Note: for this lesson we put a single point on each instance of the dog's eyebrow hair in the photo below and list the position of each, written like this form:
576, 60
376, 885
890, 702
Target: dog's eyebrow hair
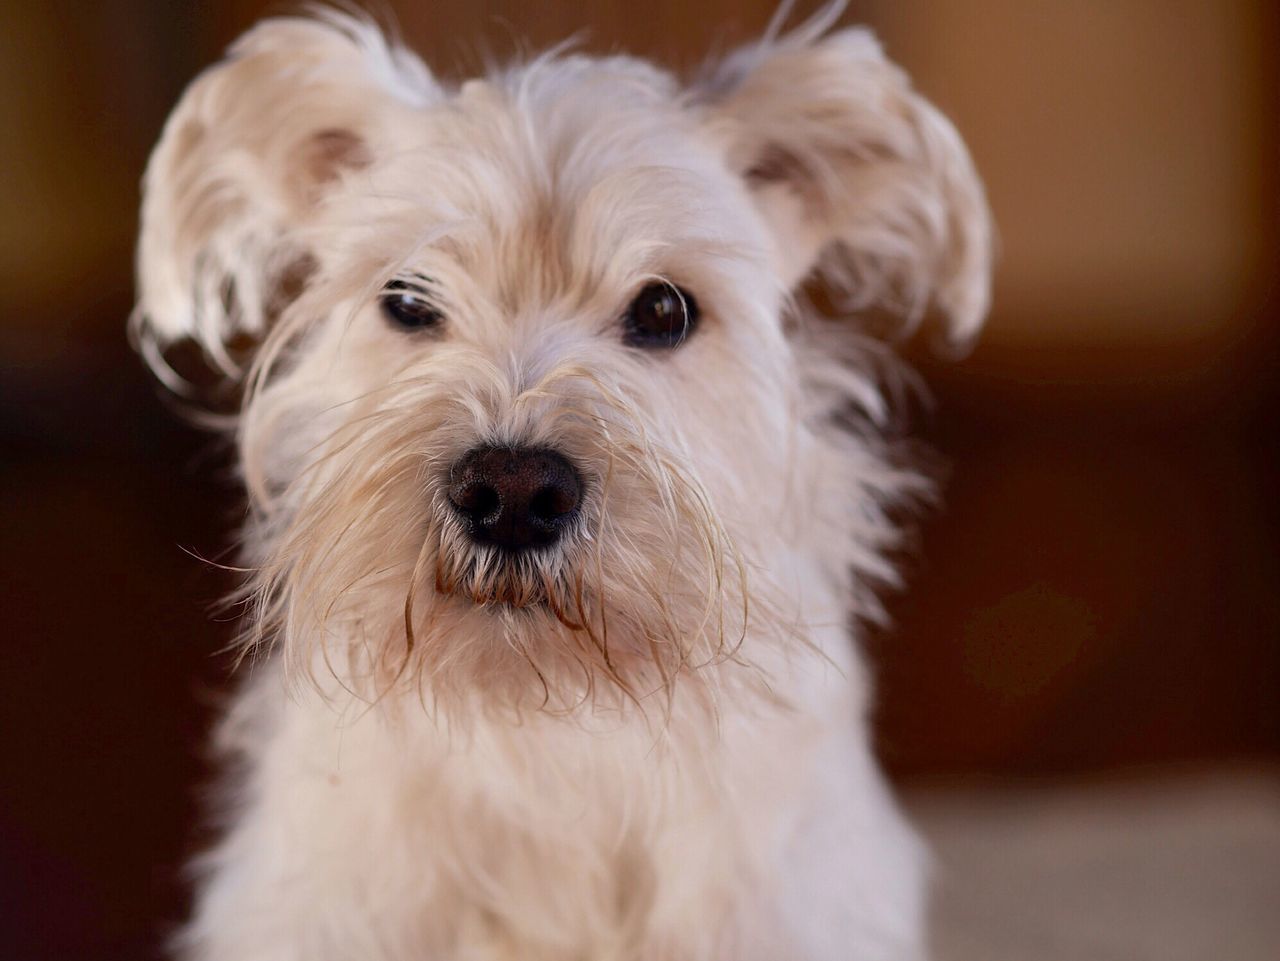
416, 282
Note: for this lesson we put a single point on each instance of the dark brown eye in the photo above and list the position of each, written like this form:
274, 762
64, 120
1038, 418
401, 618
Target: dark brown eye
408, 307
661, 316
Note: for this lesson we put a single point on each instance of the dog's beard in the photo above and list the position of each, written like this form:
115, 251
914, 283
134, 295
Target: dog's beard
368, 578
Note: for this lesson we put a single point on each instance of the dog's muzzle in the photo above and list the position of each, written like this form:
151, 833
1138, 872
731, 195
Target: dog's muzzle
515, 498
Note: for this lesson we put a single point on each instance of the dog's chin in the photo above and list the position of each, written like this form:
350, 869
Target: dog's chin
504, 606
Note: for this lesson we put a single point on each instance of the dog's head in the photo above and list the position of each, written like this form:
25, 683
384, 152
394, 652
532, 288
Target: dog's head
528, 408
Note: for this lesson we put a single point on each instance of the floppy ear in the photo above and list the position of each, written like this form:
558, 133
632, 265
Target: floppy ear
245, 161
856, 174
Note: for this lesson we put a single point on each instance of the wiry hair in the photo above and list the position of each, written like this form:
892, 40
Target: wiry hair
660, 709
514, 202
637, 606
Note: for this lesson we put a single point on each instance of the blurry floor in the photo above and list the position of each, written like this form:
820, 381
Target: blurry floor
1186, 869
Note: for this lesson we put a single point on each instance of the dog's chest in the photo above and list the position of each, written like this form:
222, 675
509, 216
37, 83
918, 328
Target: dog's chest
549, 834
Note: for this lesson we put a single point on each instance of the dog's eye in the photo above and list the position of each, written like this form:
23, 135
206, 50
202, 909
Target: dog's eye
662, 315
408, 308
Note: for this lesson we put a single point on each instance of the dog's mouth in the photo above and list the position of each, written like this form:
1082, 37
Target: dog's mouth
501, 594
503, 589
517, 586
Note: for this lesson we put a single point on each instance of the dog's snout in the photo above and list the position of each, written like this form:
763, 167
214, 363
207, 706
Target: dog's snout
515, 498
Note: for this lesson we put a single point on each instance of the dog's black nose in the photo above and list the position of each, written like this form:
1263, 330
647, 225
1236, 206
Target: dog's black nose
515, 497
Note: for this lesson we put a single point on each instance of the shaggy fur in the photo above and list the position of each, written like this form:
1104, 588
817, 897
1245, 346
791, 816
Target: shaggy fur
647, 743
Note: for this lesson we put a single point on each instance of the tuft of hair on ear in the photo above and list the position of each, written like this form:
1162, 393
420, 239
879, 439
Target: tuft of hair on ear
244, 163
858, 177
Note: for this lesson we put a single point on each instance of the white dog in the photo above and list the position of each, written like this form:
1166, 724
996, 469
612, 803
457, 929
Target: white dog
559, 510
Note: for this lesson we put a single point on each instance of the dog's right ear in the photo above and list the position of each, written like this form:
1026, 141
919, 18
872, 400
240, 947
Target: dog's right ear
245, 161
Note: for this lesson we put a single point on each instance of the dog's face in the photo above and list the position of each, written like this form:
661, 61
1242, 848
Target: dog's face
527, 413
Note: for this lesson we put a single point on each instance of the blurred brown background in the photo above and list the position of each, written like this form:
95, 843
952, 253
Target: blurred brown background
1101, 594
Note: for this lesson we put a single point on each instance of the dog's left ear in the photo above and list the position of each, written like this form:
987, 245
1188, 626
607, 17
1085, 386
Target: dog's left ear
856, 174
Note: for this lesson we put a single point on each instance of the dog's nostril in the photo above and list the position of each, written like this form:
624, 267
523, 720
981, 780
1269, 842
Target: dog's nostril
515, 498
552, 503
477, 500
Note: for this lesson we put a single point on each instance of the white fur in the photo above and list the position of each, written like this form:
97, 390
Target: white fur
649, 743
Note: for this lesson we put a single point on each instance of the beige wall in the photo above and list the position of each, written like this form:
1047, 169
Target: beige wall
1123, 143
